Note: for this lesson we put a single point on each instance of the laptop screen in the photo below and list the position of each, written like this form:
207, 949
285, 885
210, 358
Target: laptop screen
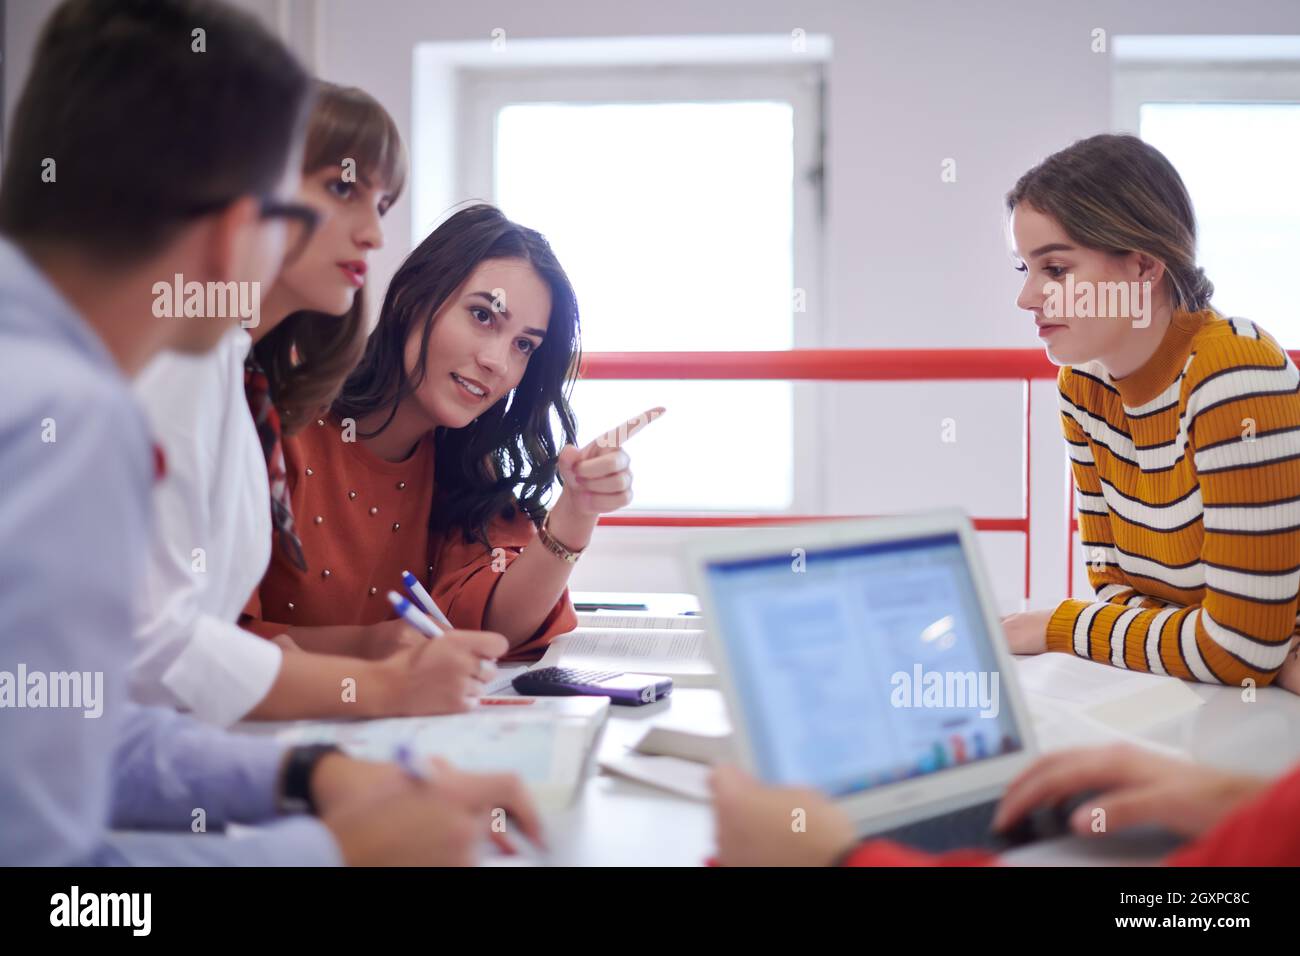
863, 665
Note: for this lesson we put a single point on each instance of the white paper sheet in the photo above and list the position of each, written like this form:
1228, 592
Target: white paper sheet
678, 654
638, 621
545, 740
1128, 701
682, 777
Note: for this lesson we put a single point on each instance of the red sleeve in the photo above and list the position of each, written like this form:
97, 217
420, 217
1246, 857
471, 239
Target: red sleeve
887, 853
467, 573
1264, 831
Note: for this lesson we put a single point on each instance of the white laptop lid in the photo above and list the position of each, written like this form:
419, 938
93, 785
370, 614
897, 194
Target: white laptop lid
865, 659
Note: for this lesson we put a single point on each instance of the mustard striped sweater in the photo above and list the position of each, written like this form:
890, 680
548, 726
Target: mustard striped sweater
1188, 493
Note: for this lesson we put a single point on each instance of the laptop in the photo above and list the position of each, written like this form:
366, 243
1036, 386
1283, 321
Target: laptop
866, 659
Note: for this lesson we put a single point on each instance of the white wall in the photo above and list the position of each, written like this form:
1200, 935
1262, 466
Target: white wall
910, 261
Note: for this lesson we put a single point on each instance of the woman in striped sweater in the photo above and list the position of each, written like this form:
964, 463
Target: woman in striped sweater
1183, 429
1184, 433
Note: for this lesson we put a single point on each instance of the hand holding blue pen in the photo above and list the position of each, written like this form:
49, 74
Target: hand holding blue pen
420, 621
497, 797
425, 600
404, 757
414, 616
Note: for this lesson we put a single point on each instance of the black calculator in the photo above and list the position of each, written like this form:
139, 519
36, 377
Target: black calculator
630, 690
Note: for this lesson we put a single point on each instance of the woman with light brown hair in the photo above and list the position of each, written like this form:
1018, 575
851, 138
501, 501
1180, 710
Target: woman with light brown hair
218, 422
1183, 429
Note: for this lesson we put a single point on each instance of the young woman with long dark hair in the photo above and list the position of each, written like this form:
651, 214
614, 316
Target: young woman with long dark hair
220, 419
440, 453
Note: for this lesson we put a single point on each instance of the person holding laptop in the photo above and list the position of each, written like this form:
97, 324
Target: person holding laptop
869, 687
869, 667
1232, 819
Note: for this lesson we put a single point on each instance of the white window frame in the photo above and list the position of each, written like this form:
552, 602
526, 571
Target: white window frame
1201, 69
1244, 70
483, 93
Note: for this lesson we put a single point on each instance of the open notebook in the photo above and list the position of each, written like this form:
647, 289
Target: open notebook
636, 644
639, 620
545, 740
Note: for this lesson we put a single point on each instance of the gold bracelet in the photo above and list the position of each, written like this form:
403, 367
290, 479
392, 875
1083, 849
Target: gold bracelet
548, 541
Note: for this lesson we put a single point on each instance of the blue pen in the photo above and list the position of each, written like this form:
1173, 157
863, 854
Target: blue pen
425, 600
423, 770
405, 759
413, 615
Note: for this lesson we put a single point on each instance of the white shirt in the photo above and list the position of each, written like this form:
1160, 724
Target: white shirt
211, 541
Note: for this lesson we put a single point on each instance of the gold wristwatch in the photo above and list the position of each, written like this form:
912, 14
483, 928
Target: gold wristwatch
553, 546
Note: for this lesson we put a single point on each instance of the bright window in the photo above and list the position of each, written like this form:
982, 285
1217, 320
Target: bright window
684, 202
1239, 163
673, 221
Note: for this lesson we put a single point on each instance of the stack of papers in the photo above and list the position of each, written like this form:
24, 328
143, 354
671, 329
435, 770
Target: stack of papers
672, 759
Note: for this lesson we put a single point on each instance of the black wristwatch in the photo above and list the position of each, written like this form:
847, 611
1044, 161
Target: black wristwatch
295, 784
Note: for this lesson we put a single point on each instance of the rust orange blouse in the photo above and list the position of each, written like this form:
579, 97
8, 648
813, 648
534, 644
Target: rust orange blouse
362, 521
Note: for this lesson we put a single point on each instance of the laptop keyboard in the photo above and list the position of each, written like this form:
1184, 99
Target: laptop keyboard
969, 827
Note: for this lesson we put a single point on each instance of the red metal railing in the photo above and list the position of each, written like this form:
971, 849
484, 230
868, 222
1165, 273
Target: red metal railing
833, 365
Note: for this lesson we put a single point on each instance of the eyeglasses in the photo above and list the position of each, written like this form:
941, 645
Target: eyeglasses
300, 219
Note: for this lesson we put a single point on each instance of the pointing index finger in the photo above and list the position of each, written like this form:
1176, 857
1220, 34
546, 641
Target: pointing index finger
615, 437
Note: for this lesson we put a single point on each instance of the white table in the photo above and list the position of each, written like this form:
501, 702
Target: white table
618, 822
